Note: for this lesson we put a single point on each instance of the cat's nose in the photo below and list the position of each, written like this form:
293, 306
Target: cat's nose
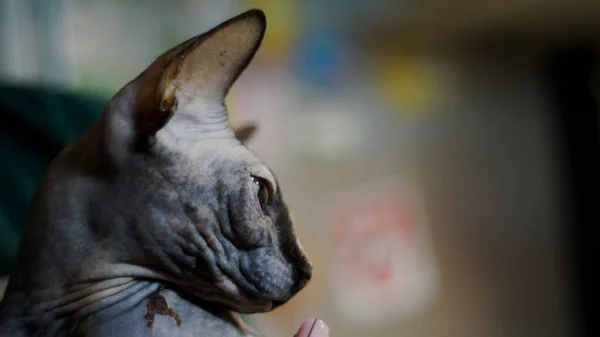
304, 274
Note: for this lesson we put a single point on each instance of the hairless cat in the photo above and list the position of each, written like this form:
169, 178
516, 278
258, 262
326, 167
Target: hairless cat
158, 220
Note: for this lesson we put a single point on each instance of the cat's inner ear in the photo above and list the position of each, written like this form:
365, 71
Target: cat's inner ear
197, 79
244, 133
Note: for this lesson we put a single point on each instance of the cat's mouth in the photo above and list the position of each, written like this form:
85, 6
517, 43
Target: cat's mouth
245, 307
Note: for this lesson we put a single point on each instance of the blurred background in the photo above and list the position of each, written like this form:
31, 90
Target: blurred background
440, 158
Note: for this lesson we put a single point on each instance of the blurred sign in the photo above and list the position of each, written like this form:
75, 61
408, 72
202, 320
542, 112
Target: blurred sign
382, 267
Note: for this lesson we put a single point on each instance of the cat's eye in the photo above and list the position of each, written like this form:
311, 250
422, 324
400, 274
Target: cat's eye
263, 195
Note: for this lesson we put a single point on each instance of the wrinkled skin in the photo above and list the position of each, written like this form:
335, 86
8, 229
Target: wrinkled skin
159, 221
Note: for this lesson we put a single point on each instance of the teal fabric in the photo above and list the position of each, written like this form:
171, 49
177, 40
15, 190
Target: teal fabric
36, 123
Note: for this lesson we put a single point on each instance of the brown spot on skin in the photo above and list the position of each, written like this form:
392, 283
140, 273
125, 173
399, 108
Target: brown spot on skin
157, 305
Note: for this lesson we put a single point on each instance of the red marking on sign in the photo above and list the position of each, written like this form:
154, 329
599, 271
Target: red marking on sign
364, 234
382, 267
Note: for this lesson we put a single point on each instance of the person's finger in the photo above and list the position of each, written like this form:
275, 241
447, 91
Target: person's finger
313, 328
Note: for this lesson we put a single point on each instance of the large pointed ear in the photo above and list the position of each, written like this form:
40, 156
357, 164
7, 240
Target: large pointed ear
186, 86
244, 133
200, 75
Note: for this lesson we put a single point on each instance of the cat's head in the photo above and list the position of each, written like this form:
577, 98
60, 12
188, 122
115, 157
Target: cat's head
196, 203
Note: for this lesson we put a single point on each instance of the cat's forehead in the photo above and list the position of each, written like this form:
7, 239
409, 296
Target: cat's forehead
239, 160
218, 157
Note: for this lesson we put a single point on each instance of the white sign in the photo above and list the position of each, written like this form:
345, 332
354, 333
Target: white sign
381, 262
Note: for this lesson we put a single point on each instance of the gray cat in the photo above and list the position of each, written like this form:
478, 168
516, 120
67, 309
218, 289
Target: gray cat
158, 220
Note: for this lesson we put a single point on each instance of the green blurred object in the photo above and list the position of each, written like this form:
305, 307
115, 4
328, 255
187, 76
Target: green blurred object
36, 124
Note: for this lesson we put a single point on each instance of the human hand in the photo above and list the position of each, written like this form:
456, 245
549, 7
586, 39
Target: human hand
313, 328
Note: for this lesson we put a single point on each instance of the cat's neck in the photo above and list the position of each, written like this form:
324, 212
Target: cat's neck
124, 305
46, 312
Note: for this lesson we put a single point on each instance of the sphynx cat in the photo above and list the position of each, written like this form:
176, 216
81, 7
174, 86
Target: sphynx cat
158, 220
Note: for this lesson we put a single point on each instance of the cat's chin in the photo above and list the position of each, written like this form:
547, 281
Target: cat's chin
266, 307
254, 308
240, 301
246, 306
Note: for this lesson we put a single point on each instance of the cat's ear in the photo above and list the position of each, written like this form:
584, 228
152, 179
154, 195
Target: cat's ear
245, 133
206, 69
189, 82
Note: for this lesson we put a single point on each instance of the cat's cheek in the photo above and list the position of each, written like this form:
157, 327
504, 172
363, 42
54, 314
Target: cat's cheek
269, 273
